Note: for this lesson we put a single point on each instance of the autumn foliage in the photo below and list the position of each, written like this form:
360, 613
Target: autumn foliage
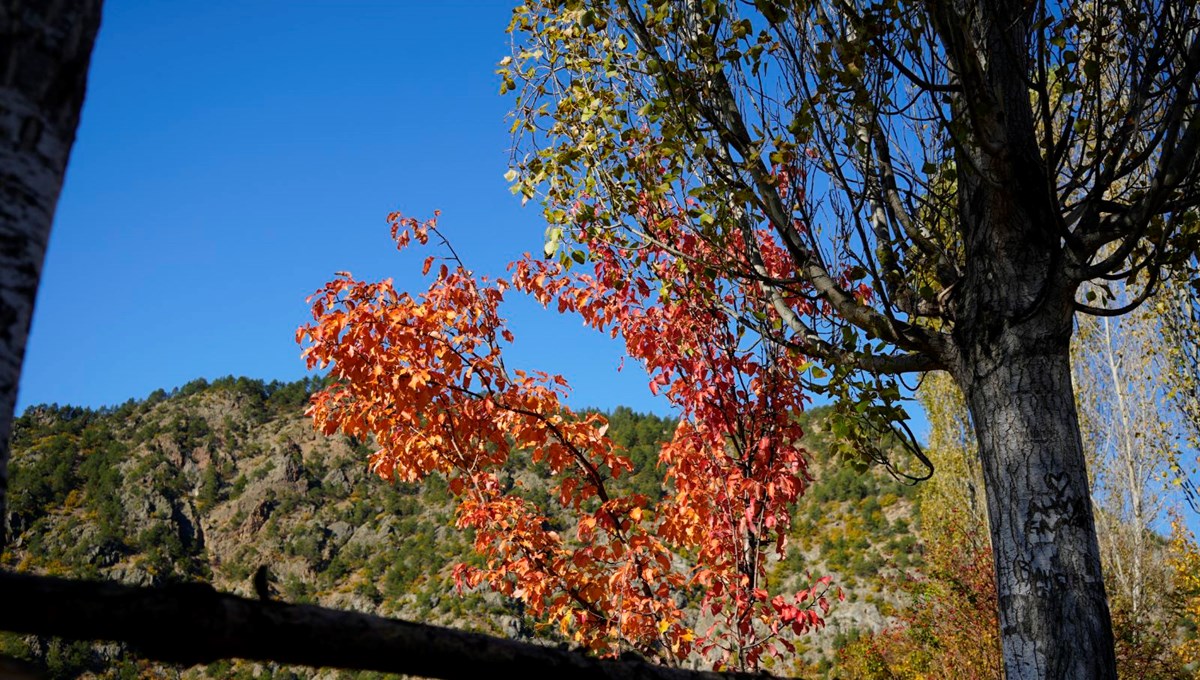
1185, 560
950, 628
424, 378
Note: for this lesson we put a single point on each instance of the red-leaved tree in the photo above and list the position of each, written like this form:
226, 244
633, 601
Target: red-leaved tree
424, 377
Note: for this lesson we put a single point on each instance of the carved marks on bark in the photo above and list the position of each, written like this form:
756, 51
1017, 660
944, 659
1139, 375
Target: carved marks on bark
1048, 518
1054, 614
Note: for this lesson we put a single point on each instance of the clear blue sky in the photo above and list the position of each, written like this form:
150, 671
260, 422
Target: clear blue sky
233, 155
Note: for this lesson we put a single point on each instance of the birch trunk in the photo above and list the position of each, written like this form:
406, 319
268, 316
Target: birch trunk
45, 48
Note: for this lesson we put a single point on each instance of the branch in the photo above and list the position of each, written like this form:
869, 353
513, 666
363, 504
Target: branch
1133, 223
887, 175
805, 339
717, 105
912, 76
1178, 167
1149, 289
194, 624
969, 70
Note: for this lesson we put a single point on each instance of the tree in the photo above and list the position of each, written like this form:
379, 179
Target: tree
1129, 433
1185, 559
45, 49
1179, 309
424, 377
941, 178
947, 625
1133, 438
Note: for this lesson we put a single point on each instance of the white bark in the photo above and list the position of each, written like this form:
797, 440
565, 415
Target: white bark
45, 48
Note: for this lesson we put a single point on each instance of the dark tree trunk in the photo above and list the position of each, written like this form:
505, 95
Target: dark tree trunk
45, 48
1054, 618
1012, 332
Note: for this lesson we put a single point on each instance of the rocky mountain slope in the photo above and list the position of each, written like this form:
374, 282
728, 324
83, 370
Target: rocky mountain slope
211, 481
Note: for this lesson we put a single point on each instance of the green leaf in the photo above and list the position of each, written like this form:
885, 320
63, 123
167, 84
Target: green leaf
770, 10
553, 235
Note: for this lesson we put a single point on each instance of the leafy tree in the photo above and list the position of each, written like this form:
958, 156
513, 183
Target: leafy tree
1130, 434
1136, 416
424, 377
1179, 310
1185, 559
947, 625
906, 187
950, 628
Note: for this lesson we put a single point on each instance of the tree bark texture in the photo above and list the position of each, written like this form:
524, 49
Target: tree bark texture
193, 624
45, 49
1011, 358
1054, 616
1012, 361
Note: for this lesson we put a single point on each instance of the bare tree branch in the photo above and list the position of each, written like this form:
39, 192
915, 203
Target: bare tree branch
719, 108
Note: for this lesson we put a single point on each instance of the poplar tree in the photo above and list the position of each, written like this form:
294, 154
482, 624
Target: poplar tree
944, 177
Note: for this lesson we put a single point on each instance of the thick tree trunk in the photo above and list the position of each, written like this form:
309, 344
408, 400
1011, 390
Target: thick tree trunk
45, 48
1054, 616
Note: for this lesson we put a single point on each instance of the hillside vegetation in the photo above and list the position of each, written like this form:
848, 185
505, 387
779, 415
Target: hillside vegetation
213, 480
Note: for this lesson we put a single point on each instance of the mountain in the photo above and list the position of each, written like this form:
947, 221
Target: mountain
211, 481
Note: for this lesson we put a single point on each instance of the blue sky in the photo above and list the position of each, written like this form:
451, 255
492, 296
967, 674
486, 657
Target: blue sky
233, 155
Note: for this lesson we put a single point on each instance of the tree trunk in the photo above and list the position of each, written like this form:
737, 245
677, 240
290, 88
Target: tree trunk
1054, 618
45, 48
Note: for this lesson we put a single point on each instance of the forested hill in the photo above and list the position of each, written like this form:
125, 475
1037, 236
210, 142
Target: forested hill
212, 480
